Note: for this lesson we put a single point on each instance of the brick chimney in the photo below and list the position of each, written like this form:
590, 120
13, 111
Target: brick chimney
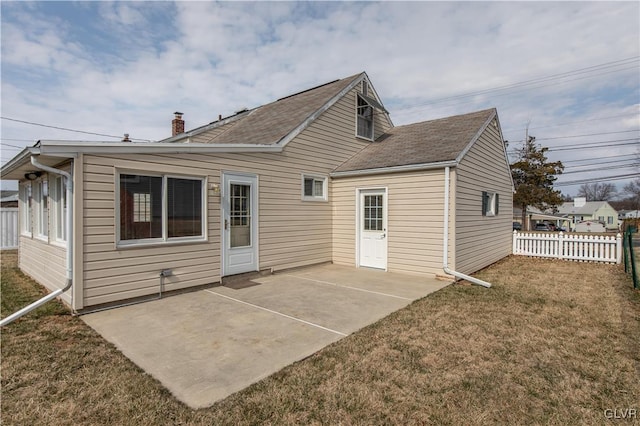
177, 125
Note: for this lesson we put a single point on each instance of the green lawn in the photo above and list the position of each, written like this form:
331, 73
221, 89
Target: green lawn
552, 342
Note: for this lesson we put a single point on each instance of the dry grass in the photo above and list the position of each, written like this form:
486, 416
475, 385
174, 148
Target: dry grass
551, 343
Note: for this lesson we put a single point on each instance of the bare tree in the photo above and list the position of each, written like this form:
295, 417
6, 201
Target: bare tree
597, 191
633, 190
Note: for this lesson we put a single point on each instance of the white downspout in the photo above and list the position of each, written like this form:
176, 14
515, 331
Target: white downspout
69, 225
445, 254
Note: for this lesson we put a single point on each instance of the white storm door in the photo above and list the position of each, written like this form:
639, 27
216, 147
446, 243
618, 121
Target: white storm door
372, 228
239, 224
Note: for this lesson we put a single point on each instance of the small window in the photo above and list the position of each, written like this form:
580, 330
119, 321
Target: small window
25, 208
610, 220
314, 188
365, 119
490, 203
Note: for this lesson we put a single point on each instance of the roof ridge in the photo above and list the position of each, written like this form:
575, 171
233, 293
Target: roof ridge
447, 117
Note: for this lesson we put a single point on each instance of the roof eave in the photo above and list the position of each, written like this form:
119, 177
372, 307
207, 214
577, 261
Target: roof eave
395, 169
70, 148
492, 116
475, 138
18, 161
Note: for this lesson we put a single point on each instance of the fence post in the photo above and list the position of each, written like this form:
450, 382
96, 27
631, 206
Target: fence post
632, 261
515, 242
618, 248
560, 247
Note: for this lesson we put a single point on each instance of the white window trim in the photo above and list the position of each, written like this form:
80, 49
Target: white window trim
325, 187
57, 193
373, 121
26, 227
164, 240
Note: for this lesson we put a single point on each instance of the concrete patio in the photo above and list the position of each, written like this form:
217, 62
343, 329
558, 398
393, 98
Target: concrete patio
205, 345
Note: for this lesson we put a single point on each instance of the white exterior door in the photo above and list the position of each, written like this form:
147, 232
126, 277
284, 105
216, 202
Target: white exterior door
372, 228
239, 223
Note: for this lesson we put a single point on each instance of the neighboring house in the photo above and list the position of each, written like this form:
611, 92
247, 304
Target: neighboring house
628, 214
535, 216
580, 210
9, 199
318, 176
8, 219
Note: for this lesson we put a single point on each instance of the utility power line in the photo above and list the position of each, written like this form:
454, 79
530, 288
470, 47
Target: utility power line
590, 145
17, 140
586, 135
599, 163
536, 81
603, 168
569, 148
598, 179
67, 129
575, 122
589, 159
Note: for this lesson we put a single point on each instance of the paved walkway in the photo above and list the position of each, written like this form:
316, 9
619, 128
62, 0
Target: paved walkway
208, 344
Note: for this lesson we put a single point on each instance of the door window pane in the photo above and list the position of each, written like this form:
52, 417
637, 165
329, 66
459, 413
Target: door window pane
240, 215
372, 217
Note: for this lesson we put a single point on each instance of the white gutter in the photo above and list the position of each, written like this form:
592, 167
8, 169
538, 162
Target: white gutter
394, 169
72, 148
69, 224
445, 253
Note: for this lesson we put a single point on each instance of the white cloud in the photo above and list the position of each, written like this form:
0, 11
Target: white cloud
129, 65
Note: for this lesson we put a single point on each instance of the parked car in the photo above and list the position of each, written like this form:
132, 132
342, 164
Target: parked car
542, 227
517, 226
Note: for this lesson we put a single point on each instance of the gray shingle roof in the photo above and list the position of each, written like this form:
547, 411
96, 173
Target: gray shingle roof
588, 208
431, 141
270, 123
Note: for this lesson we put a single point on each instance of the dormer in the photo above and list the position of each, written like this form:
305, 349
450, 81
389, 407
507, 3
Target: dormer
367, 107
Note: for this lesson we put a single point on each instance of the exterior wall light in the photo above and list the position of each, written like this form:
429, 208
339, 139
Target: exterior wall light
32, 175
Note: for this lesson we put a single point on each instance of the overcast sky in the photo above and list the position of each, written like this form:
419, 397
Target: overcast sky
125, 67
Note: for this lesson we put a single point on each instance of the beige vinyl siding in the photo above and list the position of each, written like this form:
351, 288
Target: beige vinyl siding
111, 274
45, 263
415, 219
292, 232
481, 240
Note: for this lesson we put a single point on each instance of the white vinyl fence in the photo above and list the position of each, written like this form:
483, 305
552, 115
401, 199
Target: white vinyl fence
9, 228
587, 248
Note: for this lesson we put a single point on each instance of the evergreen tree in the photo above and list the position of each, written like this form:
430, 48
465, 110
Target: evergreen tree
533, 177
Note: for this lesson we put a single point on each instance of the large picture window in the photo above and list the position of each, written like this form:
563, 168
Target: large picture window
160, 208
